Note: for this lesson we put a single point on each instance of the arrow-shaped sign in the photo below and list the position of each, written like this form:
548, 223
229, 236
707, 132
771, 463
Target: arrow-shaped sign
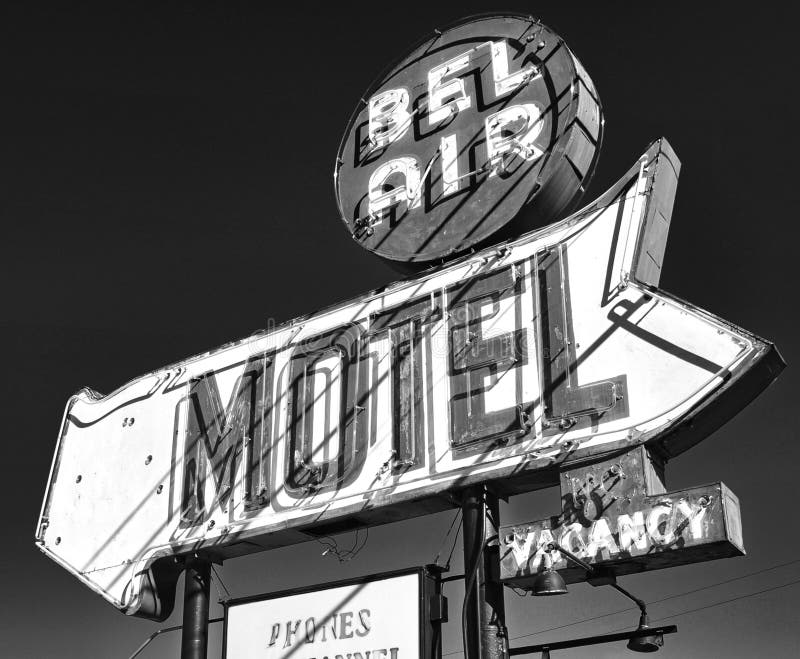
505, 366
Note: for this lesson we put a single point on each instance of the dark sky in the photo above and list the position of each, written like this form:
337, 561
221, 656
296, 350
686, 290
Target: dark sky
166, 186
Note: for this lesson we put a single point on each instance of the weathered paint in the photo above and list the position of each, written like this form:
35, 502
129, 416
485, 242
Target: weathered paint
489, 121
397, 615
541, 352
616, 515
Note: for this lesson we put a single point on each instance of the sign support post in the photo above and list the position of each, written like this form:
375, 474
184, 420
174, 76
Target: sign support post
484, 611
194, 637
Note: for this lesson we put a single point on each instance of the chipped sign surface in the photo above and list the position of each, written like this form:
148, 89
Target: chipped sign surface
499, 367
487, 123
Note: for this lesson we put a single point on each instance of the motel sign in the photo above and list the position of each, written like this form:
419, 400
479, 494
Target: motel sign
530, 353
504, 367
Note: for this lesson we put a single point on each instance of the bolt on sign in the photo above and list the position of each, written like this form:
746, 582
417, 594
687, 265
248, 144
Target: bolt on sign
478, 123
396, 615
505, 366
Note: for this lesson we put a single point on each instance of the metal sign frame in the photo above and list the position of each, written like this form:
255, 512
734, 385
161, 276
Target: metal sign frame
429, 584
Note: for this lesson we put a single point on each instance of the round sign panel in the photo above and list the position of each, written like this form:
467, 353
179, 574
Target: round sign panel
486, 128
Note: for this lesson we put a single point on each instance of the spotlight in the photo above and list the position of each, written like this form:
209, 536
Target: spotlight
648, 643
548, 583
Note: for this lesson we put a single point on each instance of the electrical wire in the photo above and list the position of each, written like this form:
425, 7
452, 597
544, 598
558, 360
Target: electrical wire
658, 601
444, 541
363, 544
222, 583
728, 601
344, 555
664, 599
473, 573
164, 630
453, 548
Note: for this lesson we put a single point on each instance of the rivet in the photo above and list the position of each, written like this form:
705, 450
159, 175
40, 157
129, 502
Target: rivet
58, 540
211, 524
159, 489
148, 459
130, 421
78, 478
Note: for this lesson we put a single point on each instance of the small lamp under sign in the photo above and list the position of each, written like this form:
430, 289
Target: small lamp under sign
549, 582
647, 643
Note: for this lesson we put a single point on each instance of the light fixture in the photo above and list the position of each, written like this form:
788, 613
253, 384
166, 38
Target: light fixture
549, 582
648, 643
640, 640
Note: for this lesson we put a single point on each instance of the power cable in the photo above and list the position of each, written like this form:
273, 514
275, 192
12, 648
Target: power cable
473, 572
355, 553
444, 540
343, 555
224, 587
664, 599
658, 601
728, 601
453, 548
164, 630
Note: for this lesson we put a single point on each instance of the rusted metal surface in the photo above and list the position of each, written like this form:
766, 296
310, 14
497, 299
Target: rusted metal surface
487, 128
616, 515
545, 648
194, 636
497, 368
485, 633
658, 215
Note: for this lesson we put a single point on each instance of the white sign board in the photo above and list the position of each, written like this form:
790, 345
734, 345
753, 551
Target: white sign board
369, 619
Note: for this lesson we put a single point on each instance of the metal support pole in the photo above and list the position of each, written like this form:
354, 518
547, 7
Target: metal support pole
594, 640
194, 639
485, 634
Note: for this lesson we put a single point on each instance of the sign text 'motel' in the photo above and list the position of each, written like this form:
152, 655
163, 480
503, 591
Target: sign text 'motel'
516, 360
509, 365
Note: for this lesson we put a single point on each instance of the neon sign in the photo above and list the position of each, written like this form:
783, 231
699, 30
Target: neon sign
465, 134
517, 360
